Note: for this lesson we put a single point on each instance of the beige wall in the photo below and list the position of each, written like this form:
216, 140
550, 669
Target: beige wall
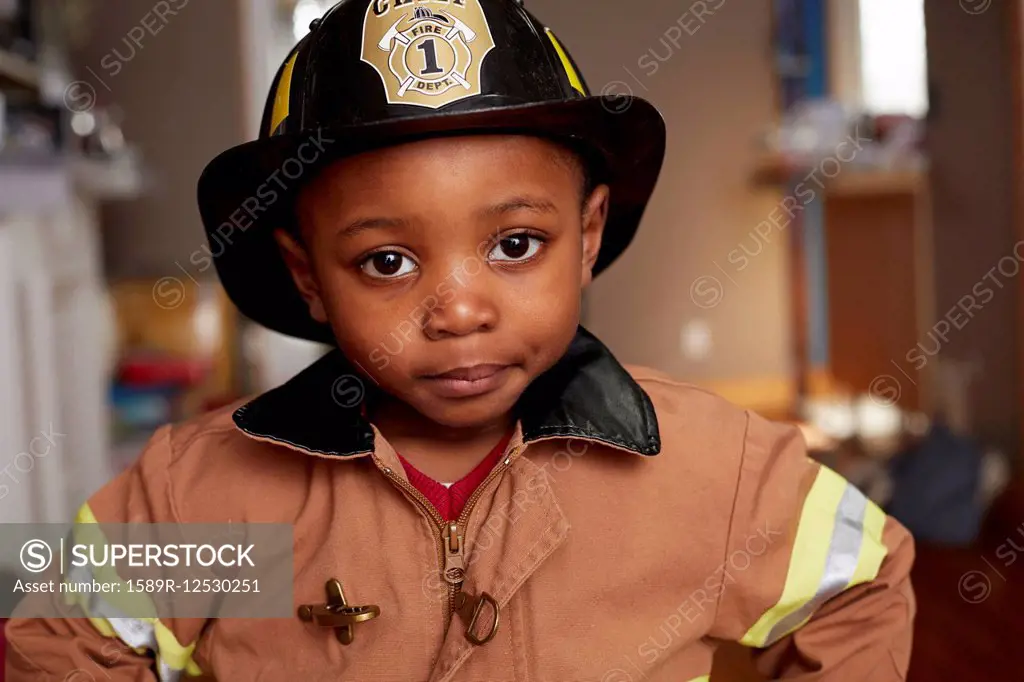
183, 101
716, 94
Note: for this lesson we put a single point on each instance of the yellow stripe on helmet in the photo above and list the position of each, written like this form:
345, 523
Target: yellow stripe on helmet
570, 71
282, 97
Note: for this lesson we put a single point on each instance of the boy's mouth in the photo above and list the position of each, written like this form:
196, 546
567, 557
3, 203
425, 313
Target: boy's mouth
464, 382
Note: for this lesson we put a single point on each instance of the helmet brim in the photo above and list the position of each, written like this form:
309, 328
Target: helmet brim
249, 190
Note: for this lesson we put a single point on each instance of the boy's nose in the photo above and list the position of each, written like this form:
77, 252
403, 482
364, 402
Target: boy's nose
466, 313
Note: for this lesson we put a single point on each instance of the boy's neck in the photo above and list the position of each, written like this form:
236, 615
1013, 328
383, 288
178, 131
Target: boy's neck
442, 452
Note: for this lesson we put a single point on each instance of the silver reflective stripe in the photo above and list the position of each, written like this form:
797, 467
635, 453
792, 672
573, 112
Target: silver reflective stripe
840, 564
134, 632
81, 578
99, 608
167, 673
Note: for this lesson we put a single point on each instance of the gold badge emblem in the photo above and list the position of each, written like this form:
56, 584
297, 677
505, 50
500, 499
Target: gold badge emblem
427, 52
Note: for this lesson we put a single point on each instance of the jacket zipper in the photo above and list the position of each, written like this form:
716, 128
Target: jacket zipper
451, 534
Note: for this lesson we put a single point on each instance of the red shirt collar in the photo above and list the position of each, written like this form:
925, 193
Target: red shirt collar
450, 502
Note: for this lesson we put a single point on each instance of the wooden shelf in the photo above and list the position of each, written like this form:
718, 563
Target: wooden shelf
16, 71
877, 182
849, 181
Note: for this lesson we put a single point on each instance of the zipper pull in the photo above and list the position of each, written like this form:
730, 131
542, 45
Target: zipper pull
454, 566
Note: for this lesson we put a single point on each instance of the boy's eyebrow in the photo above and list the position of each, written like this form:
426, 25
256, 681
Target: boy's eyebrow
363, 224
520, 204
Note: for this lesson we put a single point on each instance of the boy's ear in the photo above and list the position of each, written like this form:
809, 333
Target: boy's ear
297, 259
595, 214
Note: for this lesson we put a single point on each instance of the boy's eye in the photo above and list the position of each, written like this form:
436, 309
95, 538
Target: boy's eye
387, 265
515, 247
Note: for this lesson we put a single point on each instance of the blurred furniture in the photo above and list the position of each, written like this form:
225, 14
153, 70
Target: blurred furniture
19, 45
1016, 14
860, 243
176, 358
16, 71
57, 332
880, 291
55, 344
878, 279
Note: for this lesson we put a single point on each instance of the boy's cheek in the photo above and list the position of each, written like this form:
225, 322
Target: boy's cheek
379, 359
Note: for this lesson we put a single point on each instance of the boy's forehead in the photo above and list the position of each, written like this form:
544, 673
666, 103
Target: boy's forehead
493, 154
491, 174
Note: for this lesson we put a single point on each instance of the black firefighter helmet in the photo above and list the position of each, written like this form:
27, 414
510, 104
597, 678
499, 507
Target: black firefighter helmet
374, 73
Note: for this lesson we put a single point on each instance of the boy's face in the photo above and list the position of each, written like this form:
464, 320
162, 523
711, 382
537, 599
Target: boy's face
450, 269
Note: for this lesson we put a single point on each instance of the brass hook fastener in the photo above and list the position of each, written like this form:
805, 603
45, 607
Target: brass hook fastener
337, 614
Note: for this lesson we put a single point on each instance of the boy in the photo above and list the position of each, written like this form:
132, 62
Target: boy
432, 190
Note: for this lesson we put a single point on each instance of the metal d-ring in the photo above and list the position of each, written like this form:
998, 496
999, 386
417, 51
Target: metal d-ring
485, 598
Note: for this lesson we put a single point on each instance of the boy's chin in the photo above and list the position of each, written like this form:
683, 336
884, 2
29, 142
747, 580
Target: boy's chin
465, 413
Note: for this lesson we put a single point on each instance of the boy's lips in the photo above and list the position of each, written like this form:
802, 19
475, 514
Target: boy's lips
464, 382
470, 373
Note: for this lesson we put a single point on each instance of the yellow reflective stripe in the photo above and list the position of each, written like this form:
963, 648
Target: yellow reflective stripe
807, 560
85, 514
123, 600
102, 626
838, 545
703, 678
106, 616
141, 634
282, 97
176, 656
574, 78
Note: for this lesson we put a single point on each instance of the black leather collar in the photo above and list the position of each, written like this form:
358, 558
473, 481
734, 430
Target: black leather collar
587, 394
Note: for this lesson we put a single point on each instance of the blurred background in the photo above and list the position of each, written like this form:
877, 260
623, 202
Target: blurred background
836, 241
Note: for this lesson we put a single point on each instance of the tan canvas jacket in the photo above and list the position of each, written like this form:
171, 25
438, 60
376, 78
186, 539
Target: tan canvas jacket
634, 523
